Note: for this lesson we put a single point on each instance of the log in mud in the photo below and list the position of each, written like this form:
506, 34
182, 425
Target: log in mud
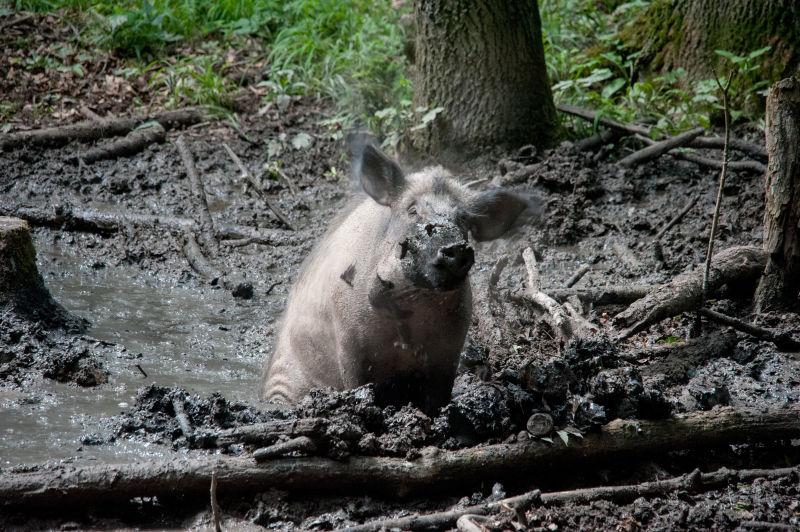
93, 485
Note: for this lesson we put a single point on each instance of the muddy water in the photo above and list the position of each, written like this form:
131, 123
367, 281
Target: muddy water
177, 335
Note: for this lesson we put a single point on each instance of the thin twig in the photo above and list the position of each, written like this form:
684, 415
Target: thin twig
215, 513
722, 175
247, 176
677, 218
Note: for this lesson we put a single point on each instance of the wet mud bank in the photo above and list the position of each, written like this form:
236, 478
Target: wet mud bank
167, 362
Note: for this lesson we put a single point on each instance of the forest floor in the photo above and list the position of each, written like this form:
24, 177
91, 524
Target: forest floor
159, 332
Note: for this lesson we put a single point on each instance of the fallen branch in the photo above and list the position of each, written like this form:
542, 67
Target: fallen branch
245, 173
716, 143
677, 218
592, 116
90, 130
63, 484
734, 266
136, 141
105, 221
782, 340
656, 149
751, 166
198, 196
694, 482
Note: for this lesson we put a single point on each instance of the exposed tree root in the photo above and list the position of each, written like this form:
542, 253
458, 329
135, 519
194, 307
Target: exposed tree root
694, 482
657, 149
134, 142
733, 266
750, 166
94, 485
90, 130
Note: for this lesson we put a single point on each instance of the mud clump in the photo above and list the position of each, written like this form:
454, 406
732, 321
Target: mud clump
153, 416
29, 345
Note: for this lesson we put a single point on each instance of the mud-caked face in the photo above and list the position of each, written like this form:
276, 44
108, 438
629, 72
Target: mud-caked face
432, 215
433, 249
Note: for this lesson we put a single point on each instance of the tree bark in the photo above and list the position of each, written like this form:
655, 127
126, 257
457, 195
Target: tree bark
482, 61
621, 439
780, 283
685, 34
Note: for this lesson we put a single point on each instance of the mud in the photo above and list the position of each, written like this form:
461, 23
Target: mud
161, 334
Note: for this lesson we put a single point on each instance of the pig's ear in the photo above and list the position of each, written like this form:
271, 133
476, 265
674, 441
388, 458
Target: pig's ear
492, 213
380, 176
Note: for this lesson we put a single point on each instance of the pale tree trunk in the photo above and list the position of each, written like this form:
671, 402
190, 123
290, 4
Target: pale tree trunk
685, 34
780, 283
482, 61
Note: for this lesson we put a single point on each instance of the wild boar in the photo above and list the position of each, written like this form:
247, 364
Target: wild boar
385, 296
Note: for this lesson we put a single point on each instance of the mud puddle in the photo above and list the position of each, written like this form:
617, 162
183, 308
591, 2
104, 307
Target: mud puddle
163, 334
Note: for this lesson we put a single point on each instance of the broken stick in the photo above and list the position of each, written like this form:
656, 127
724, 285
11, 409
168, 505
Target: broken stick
301, 444
555, 315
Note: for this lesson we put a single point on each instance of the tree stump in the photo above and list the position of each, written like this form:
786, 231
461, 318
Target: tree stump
780, 283
18, 270
21, 286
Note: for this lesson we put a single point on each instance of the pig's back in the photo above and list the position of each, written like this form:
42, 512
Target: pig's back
308, 345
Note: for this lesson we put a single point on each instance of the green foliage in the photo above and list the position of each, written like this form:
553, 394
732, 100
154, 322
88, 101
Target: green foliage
350, 51
744, 68
590, 67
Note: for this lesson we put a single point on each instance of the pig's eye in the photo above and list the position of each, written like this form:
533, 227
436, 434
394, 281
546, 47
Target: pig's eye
412, 209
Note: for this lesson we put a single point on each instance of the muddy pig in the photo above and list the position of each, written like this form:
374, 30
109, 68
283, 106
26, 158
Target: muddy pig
385, 296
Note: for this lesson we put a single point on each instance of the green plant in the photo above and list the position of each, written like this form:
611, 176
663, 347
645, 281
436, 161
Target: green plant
746, 83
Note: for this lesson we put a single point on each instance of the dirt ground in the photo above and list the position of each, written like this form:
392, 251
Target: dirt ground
596, 213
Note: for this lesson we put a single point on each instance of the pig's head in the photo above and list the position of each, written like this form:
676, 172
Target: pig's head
432, 215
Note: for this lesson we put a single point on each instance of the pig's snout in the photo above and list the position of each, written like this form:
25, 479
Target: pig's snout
455, 259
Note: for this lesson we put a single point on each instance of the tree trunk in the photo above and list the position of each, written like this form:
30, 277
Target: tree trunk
482, 61
685, 34
780, 283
